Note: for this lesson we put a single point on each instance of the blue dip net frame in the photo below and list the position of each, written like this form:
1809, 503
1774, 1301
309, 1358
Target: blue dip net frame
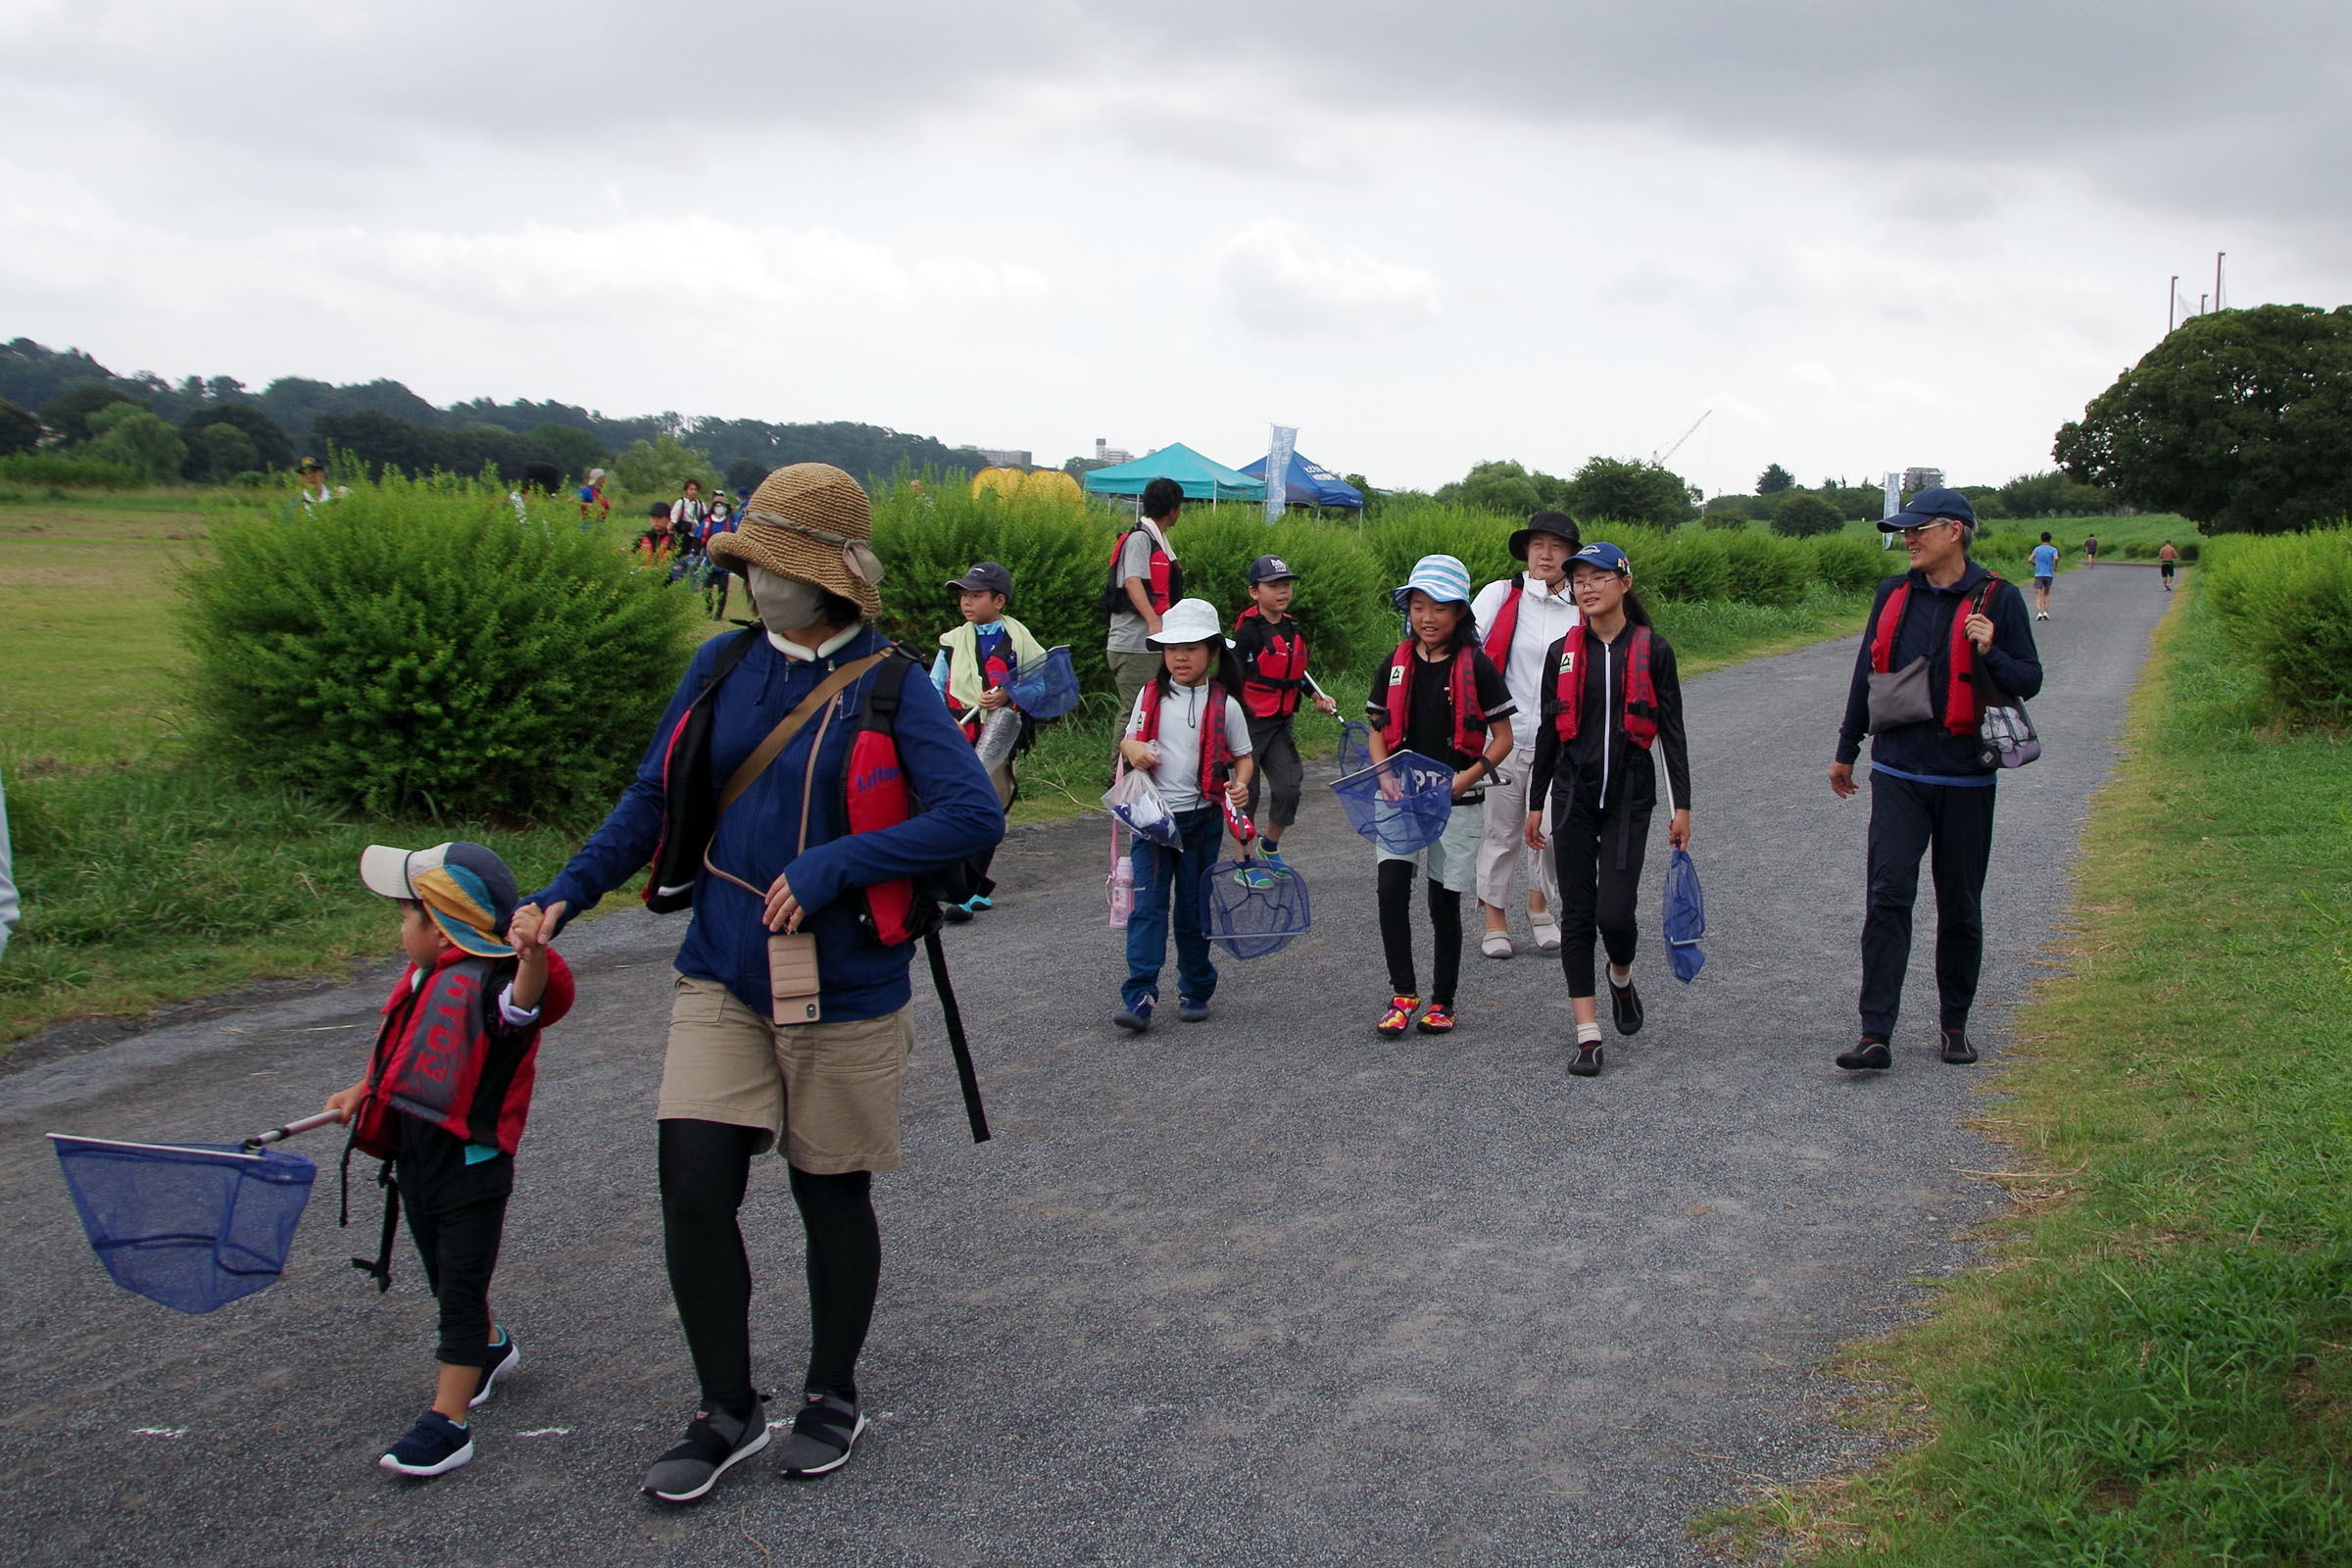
1355, 747
1253, 909
1048, 688
1400, 803
190, 1226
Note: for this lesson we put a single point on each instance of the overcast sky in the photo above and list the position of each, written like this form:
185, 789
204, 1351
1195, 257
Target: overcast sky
1865, 235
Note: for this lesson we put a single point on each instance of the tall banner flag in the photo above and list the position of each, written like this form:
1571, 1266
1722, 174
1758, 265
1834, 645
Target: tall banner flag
1894, 504
1284, 439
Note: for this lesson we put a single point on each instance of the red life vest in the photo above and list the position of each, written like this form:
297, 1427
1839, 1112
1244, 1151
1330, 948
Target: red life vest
1640, 713
1216, 746
1164, 582
1506, 621
437, 1060
1274, 675
874, 795
1469, 719
1963, 704
995, 671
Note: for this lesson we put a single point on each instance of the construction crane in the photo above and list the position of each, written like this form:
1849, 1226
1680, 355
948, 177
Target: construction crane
1657, 460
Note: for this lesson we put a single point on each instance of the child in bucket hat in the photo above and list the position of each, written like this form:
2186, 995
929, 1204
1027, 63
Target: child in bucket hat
444, 1100
1439, 696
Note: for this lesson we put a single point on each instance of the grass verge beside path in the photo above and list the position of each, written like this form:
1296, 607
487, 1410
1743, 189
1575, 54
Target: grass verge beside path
2155, 1365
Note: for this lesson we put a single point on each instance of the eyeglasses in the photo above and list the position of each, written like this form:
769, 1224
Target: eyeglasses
1913, 533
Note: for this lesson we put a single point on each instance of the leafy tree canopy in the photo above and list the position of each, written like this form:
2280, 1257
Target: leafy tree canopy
271, 447
127, 435
1622, 491
1775, 479
20, 432
69, 413
2240, 420
1802, 514
657, 469
1507, 488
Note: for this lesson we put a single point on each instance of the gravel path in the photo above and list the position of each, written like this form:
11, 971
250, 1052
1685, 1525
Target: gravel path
1265, 1290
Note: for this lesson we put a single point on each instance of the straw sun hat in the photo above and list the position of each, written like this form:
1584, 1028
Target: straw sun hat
810, 522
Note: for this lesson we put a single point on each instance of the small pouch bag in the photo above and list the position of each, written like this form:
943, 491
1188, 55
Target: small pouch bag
1901, 697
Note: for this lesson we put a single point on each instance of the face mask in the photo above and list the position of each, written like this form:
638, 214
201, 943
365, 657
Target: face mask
786, 605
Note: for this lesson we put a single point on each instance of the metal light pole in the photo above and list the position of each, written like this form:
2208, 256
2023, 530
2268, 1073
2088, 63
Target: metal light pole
2172, 301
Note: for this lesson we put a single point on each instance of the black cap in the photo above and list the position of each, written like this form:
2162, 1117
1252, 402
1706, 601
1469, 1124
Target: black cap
1931, 506
1270, 568
1556, 524
986, 578
305, 461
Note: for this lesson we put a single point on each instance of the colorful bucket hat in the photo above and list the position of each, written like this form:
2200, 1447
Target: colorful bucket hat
464, 887
1443, 577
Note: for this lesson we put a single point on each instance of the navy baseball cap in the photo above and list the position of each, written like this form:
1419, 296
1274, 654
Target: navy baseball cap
1931, 506
984, 577
1601, 553
1270, 568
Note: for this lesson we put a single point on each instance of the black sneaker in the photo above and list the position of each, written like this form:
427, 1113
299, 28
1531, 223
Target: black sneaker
1588, 1062
1870, 1053
434, 1446
1625, 1008
497, 1364
714, 1443
1956, 1049
955, 913
822, 1434
1192, 1009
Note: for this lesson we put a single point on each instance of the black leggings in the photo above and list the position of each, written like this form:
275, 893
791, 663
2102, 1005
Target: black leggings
704, 1166
1598, 893
1396, 932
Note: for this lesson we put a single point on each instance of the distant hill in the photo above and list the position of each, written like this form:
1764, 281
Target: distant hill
31, 374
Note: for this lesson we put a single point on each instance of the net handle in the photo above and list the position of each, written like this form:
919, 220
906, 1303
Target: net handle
278, 1135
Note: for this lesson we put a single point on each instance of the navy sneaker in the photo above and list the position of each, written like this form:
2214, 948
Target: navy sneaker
955, 913
822, 1435
434, 1446
713, 1443
503, 1357
1137, 1018
1870, 1056
1190, 1010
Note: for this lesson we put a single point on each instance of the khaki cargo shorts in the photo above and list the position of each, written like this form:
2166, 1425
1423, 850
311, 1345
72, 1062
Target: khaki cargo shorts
829, 1090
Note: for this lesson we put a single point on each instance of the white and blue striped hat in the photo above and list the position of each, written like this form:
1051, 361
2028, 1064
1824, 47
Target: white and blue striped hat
1443, 577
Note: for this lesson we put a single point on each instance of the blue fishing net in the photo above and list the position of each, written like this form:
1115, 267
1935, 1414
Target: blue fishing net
193, 1226
1252, 908
1048, 688
1400, 803
1355, 747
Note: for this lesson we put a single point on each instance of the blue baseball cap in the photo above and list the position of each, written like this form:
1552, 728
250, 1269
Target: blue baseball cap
1603, 555
1270, 568
1931, 506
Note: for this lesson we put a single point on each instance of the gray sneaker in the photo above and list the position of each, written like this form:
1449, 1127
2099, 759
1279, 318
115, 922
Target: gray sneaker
714, 1443
822, 1434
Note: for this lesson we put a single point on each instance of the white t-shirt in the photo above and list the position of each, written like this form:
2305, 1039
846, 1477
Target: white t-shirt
1544, 620
1178, 775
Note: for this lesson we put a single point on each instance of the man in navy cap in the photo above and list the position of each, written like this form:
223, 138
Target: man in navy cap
1935, 636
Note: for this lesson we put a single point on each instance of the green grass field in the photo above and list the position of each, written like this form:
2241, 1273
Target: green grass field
2154, 1364
151, 877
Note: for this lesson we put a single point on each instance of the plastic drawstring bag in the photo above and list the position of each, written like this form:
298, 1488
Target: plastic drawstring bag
192, 1226
1355, 747
1686, 918
1400, 803
1135, 802
999, 734
1049, 688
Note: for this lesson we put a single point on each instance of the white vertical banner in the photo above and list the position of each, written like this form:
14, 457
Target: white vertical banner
1894, 504
1283, 439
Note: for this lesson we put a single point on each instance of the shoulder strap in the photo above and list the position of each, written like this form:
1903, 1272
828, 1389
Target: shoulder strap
781, 736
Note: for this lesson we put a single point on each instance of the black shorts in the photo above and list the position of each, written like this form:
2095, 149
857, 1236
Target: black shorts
2165, 566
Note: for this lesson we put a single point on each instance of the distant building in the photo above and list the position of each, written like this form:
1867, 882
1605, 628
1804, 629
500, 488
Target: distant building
1000, 457
1917, 480
1105, 451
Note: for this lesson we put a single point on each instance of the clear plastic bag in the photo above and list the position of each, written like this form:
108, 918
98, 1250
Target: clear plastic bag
1137, 803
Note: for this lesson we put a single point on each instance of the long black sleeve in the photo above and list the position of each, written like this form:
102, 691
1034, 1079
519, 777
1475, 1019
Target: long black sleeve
2012, 661
1547, 744
1671, 737
1853, 729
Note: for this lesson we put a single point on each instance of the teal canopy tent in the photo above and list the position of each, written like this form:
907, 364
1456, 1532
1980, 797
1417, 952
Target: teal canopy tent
1202, 478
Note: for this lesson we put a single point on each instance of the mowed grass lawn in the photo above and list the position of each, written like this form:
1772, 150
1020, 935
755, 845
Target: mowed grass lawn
2154, 1367
152, 878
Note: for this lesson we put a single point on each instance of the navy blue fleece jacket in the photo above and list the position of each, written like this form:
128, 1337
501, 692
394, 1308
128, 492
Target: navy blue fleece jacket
727, 941
1928, 752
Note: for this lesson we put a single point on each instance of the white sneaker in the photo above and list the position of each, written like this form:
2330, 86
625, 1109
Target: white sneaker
1546, 926
1496, 945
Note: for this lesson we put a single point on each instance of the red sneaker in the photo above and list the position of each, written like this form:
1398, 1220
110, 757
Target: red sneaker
1399, 1017
1437, 1021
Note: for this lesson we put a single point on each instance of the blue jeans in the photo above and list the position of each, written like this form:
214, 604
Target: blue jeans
1159, 874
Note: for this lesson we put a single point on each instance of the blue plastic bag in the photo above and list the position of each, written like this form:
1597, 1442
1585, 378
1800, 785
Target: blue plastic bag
1685, 916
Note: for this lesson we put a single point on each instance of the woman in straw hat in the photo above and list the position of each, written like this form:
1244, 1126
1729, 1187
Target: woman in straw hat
781, 859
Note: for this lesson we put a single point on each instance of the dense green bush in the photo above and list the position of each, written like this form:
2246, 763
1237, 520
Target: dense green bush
1479, 540
1729, 520
418, 644
71, 474
127, 434
1851, 565
1802, 514
930, 529
1690, 564
1342, 597
1766, 570
2288, 599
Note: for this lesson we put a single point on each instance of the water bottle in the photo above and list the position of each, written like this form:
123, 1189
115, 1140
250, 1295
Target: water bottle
1122, 887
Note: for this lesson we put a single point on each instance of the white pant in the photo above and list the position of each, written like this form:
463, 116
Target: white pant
1502, 848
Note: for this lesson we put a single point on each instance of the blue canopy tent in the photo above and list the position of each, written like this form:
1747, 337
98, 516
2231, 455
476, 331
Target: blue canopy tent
1310, 484
1202, 479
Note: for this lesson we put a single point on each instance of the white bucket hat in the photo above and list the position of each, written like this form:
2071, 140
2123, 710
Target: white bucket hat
1189, 620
